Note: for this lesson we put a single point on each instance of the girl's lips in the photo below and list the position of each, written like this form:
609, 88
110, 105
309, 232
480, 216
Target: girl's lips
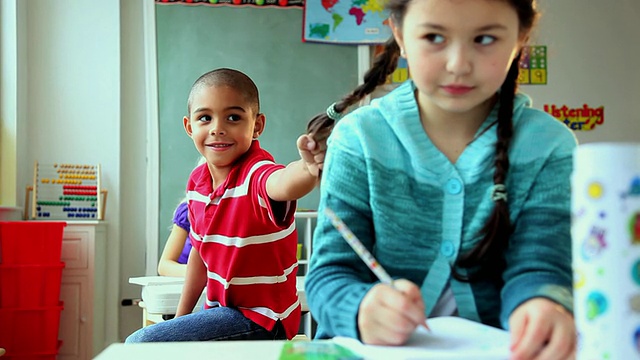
457, 89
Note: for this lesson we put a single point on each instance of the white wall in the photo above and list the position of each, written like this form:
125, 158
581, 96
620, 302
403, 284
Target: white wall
73, 98
76, 93
593, 49
134, 159
12, 98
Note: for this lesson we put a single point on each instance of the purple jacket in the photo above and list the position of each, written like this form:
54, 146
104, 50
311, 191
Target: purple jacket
181, 218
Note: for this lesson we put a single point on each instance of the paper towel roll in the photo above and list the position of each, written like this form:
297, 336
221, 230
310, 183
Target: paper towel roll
605, 234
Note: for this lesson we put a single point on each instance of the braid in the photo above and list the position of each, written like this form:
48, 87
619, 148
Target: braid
488, 252
384, 64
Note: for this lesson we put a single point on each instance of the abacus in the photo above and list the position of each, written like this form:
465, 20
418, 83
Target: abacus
66, 192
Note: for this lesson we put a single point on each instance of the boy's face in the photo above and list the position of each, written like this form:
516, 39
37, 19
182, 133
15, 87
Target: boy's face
222, 124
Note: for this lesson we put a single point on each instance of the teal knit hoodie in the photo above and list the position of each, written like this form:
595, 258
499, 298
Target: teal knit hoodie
417, 212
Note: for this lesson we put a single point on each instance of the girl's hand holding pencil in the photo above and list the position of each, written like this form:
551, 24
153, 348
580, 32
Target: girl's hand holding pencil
391, 311
388, 316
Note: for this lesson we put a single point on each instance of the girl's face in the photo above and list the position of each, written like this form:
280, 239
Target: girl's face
222, 124
458, 51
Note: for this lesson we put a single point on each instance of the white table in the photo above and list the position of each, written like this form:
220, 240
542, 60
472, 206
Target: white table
228, 350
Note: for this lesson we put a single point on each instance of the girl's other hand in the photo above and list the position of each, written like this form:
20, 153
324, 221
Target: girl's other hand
389, 315
542, 329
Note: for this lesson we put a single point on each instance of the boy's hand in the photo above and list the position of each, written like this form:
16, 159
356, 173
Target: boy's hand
312, 153
389, 315
542, 329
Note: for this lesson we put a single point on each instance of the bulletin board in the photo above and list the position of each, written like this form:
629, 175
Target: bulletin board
296, 80
533, 65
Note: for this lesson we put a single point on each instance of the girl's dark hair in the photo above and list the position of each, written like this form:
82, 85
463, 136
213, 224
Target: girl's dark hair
487, 255
384, 64
496, 231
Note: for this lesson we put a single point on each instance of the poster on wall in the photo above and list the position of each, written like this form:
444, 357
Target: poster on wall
254, 3
533, 65
400, 74
584, 118
345, 22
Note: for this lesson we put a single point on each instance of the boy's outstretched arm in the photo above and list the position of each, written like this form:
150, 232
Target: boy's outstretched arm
301, 176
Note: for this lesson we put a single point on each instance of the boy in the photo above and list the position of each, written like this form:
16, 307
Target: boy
241, 209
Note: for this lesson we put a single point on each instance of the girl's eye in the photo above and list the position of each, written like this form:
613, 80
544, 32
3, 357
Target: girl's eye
485, 39
435, 38
204, 118
234, 118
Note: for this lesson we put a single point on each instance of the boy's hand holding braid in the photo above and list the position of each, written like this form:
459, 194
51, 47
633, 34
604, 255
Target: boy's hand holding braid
312, 152
313, 145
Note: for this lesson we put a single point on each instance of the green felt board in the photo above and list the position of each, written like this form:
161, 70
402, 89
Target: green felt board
296, 80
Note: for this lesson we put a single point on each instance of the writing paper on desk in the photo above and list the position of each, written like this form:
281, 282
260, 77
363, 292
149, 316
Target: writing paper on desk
449, 338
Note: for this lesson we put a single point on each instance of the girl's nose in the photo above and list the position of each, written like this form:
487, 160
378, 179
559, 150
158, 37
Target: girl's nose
459, 61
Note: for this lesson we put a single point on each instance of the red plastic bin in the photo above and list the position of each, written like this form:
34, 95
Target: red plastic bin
32, 357
43, 356
29, 286
30, 331
31, 242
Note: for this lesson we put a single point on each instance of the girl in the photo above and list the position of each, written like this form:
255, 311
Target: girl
457, 187
173, 261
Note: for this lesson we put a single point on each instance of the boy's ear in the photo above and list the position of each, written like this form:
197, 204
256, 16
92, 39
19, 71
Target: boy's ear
258, 128
187, 126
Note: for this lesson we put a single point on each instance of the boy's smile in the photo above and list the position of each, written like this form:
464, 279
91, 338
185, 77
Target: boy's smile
222, 124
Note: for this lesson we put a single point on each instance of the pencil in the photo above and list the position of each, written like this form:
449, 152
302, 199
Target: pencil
357, 246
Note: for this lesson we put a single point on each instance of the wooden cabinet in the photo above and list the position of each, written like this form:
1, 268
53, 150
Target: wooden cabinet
82, 321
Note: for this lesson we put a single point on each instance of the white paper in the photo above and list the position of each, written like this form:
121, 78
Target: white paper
449, 338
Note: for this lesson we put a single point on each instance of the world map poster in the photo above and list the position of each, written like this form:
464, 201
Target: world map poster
346, 21
250, 3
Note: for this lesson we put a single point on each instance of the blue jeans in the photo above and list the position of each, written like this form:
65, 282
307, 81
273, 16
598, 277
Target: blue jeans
219, 323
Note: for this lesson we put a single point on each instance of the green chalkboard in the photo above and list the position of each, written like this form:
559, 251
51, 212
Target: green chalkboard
296, 80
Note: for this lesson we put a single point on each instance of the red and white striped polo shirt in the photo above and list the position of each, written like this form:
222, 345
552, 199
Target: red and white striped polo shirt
250, 254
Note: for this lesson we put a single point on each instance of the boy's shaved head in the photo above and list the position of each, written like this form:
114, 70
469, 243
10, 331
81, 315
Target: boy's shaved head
230, 78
